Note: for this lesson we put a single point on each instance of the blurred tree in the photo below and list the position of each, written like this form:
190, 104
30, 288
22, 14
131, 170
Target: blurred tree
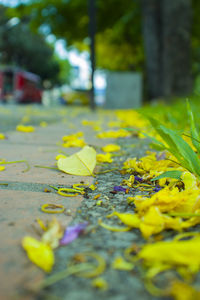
20, 47
166, 37
167, 43
118, 24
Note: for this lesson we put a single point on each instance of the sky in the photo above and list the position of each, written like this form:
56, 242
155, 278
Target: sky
12, 2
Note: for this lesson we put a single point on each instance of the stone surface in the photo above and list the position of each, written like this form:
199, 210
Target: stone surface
19, 211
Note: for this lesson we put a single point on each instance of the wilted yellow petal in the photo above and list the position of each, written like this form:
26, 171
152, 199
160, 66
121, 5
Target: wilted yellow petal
43, 124
92, 187
39, 253
131, 220
53, 234
183, 291
81, 163
189, 180
74, 143
152, 222
100, 283
24, 128
60, 156
2, 136
72, 137
111, 148
184, 254
113, 134
104, 158
120, 263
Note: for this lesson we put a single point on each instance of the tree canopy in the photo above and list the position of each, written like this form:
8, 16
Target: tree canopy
21, 47
119, 39
119, 34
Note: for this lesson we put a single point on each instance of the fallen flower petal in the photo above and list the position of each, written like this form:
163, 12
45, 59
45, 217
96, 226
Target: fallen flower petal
104, 158
173, 254
2, 168
2, 136
137, 178
72, 232
119, 188
39, 253
24, 128
100, 283
111, 148
53, 234
120, 263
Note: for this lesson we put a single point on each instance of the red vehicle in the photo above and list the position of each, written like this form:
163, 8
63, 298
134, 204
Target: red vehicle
18, 86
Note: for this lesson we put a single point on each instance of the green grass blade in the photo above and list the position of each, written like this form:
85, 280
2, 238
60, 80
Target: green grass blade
193, 130
176, 174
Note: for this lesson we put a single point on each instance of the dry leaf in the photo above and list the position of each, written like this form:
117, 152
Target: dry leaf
81, 163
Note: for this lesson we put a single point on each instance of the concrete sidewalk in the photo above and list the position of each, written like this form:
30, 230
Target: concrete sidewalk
24, 194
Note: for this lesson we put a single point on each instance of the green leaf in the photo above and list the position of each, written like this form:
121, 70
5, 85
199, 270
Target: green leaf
178, 147
188, 157
193, 130
156, 144
176, 174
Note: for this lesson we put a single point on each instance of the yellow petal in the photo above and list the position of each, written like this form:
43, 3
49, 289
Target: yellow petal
131, 220
53, 234
39, 253
60, 156
2, 168
121, 264
100, 283
152, 222
104, 158
74, 143
2, 136
111, 148
24, 128
173, 253
81, 163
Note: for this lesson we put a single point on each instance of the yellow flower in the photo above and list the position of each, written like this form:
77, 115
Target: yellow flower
105, 158
111, 148
24, 128
2, 168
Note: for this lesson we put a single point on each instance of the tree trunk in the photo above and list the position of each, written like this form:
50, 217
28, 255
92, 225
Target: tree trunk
166, 31
152, 46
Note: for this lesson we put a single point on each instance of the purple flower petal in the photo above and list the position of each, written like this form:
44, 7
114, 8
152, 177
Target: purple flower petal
72, 232
119, 188
157, 189
137, 178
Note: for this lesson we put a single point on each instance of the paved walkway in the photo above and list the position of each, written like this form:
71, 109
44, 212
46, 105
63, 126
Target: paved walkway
24, 194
